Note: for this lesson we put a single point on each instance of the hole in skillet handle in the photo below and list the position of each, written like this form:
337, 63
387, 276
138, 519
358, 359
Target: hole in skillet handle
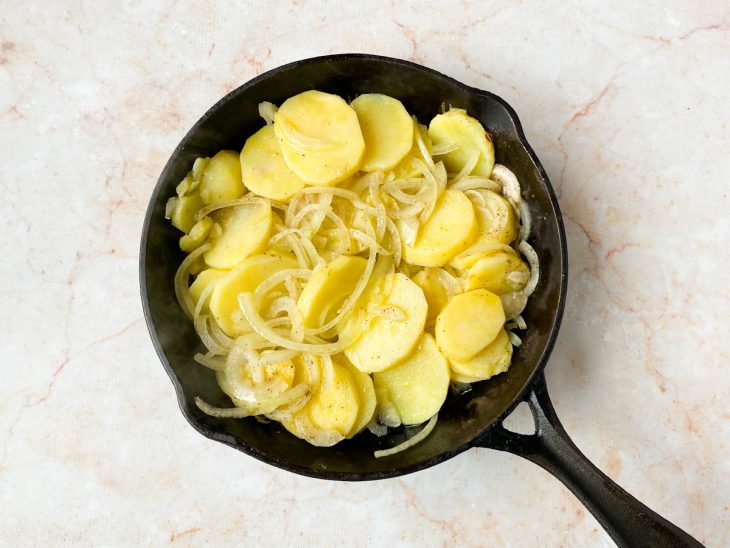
628, 521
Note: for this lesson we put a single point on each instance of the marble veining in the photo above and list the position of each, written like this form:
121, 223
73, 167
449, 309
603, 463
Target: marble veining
626, 105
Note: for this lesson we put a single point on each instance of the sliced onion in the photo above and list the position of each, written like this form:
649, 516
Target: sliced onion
245, 200
376, 428
409, 230
279, 278
469, 166
342, 193
422, 435
510, 184
476, 183
259, 325
395, 242
210, 361
203, 330
272, 357
328, 370
182, 277
525, 221
443, 148
513, 304
532, 258
369, 241
514, 339
425, 153
267, 111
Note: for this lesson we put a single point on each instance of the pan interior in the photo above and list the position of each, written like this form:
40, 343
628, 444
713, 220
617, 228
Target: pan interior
226, 125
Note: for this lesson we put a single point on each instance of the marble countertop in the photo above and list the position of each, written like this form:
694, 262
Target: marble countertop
626, 106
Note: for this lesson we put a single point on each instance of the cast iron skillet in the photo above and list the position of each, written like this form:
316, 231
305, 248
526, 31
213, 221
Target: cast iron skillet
473, 419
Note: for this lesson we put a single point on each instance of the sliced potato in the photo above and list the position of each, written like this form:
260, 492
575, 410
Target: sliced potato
385, 340
406, 167
387, 129
203, 280
366, 393
263, 167
197, 235
319, 137
450, 230
328, 288
468, 323
244, 231
221, 180
497, 221
436, 295
244, 278
417, 387
494, 359
458, 128
500, 273
181, 211
331, 414
497, 225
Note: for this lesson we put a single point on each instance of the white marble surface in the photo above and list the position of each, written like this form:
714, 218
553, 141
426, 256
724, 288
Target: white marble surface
627, 107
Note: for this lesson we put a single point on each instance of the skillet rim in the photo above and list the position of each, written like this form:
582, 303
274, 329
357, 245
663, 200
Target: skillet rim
242, 446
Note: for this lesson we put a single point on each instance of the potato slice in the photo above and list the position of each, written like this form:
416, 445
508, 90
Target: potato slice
468, 323
331, 414
450, 230
328, 288
244, 278
499, 273
417, 387
385, 341
221, 180
197, 235
458, 128
387, 129
436, 295
181, 211
366, 393
263, 167
494, 359
202, 281
406, 167
497, 225
320, 137
244, 230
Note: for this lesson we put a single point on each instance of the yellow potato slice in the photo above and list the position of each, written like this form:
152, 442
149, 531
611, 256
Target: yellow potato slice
202, 281
197, 235
244, 278
458, 128
264, 170
406, 167
328, 288
319, 137
385, 340
221, 179
468, 323
499, 272
450, 230
366, 393
244, 230
331, 414
436, 295
494, 359
417, 387
387, 129
497, 225
181, 211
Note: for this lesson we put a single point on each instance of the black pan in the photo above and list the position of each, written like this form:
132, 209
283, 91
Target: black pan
473, 419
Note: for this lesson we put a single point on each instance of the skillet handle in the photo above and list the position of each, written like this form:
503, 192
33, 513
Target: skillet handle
628, 521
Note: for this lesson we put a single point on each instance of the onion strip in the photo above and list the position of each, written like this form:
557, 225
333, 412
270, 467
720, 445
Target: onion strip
531, 257
182, 276
422, 435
